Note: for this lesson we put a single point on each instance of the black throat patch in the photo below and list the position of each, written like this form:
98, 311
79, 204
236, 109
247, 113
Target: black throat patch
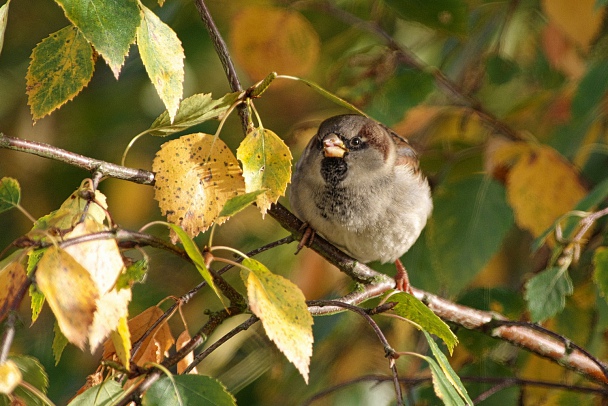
333, 170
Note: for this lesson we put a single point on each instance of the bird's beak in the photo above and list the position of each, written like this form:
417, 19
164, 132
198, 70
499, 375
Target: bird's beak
334, 147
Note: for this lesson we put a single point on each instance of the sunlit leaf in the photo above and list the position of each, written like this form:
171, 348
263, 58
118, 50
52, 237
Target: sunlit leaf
442, 386
107, 393
121, 337
181, 341
193, 110
268, 39
546, 293
445, 366
266, 166
10, 377
59, 343
110, 26
34, 374
61, 66
195, 255
413, 309
188, 390
281, 306
163, 56
103, 262
135, 273
238, 203
10, 193
3, 21
195, 176
58, 272
36, 297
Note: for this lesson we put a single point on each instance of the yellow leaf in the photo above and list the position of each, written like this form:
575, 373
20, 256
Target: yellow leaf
61, 66
70, 292
266, 165
542, 186
182, 340
266, 39
12, 278
195, 176
281, 306
121, 337
580, 20
10, 377
102, 259
163, 57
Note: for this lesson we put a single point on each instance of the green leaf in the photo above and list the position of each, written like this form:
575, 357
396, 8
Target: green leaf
59, 343
445, 366
404, 90
193, 110
10, 193
61, 66
36, 296
470, 220
109, 26
105, 394
591, 89
442, 386
266, 166
546, 293
413, 309
163, 56
238, 203
135, 273
501, 70
34, 374
197, 258
600, 273
3, 21
449, 16
281, 306
188, 390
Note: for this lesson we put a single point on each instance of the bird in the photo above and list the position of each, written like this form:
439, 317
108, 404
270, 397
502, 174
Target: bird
359, 185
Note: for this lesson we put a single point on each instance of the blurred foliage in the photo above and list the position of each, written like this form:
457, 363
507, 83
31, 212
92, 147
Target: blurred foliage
539, 68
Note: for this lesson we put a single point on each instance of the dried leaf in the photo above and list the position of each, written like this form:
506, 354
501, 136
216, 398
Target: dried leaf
3, 21
182, 340
195, 176
12, 279
281, 306
266, 166
269, 39
121, 337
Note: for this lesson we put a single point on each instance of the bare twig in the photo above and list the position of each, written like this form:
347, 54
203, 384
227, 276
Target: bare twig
48, 151
390, 352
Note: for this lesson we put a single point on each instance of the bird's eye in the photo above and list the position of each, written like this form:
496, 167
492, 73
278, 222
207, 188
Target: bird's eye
356, 141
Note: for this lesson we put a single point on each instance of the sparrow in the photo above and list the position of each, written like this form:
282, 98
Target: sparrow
359, 185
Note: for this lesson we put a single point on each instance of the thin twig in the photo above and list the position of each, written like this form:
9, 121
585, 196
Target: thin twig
51, 152
390, 352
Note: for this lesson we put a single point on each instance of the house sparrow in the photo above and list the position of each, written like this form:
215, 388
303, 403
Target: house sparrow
359, 185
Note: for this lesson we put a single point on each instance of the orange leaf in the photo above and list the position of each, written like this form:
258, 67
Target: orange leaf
541, 187
267, 39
